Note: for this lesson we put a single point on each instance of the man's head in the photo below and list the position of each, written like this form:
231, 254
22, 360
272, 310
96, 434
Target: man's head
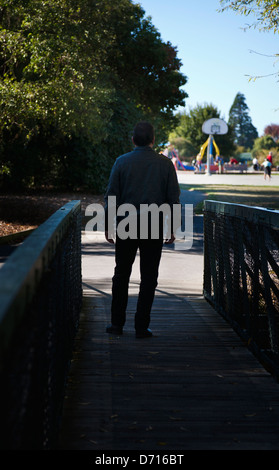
143, 134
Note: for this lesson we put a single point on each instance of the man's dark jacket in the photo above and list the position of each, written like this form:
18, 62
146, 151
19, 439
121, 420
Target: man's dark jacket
143, 177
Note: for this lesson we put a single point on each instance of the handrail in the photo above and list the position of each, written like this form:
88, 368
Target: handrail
241, 273
249, 213
22, 272
40, 302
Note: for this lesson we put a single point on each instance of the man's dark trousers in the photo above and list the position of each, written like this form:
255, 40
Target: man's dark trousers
125, 253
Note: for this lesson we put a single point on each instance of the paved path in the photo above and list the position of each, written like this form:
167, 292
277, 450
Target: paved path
231, 179
194, 385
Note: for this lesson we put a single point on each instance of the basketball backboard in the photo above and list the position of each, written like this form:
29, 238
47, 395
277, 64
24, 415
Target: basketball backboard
215, 126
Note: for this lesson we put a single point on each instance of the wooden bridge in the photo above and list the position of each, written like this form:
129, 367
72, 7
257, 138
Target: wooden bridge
194, 385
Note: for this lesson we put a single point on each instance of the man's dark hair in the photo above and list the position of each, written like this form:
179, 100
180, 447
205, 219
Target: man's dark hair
143, 134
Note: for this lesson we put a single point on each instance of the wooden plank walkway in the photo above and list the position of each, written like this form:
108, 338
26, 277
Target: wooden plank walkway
193, 386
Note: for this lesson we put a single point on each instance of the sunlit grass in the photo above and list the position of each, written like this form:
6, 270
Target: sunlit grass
260, 196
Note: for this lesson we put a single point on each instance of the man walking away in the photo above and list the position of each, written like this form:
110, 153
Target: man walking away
139, 177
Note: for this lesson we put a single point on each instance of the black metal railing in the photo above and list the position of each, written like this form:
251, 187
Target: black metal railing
40, 302
241, 273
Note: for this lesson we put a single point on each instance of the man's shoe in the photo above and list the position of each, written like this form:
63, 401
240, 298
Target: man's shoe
114, 330
144, 334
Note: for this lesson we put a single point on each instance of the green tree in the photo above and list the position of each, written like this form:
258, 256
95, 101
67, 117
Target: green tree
146, 72
75, 76
190, 128
244, 132
187, 152
52, 85
50, 70
262, 146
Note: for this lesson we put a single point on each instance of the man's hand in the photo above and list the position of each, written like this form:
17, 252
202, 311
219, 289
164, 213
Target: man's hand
170, 240
110, 240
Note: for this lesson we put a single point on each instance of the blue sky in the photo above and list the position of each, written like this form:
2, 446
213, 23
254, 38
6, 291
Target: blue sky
216, 57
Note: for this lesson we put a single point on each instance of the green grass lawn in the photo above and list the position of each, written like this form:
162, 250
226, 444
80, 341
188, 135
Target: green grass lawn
260, 196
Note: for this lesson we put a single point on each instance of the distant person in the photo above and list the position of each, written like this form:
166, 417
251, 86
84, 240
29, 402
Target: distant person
199, 162
233, 161
255, 164
220, 163
267, 169
139, 177
269, 157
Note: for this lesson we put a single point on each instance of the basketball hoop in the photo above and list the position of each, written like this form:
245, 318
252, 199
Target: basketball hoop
215, 126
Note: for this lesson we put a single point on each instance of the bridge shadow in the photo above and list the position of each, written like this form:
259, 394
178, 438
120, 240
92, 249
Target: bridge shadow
193, 386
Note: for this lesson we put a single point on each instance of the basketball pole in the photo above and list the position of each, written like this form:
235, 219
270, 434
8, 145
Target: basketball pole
210, 127
209, 155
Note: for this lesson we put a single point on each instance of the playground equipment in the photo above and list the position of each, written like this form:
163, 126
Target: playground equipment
209, 142
211, 127
176, 160
173, 155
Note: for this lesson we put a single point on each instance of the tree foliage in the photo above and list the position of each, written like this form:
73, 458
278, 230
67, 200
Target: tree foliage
190, 129
265, 12
243, 130
75, 76
262, 146
273, 130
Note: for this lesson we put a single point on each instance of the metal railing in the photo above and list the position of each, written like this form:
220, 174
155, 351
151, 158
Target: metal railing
241, 274
40, 302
